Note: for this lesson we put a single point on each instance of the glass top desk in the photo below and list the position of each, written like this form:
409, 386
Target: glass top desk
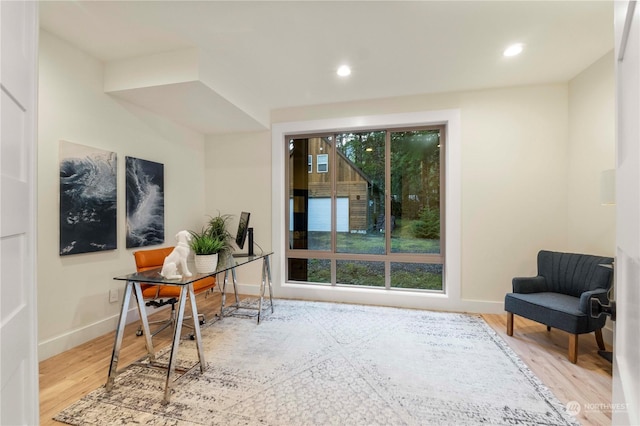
152, 276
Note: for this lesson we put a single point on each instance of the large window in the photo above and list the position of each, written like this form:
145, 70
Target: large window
375, 218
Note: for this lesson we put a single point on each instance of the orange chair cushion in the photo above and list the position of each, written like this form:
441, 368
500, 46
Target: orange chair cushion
150, 259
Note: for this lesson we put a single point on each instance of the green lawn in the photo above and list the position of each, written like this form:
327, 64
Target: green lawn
364, 273
372, 243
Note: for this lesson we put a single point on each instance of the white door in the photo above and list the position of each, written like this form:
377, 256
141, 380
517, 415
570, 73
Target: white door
626, 344
320, 214
18, 314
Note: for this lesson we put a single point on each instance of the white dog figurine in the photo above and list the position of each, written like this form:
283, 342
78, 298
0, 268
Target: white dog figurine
177, 258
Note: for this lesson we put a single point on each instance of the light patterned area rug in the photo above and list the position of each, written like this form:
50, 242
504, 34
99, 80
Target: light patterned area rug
313, 363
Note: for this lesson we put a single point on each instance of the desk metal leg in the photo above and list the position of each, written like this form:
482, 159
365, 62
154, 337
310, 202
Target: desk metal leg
234, 281
184, 290
235, 285
115, 355
265, 284
196, 328
261, 292
267, 263
117, 344
145, 322
176, 342
266, 281
223, 296
134, 287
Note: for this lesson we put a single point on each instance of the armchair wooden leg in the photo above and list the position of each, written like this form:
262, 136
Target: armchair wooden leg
573, 348
600, 340
509, 323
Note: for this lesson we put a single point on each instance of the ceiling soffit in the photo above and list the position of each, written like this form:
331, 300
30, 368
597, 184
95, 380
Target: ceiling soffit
181, 85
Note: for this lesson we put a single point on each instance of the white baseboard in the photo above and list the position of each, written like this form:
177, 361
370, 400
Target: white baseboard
607, 333
399, 299
73, 338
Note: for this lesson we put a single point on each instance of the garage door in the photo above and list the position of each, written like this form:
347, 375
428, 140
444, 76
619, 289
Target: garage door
320, 214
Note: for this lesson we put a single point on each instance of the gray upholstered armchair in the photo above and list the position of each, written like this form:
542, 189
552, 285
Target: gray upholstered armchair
560, 295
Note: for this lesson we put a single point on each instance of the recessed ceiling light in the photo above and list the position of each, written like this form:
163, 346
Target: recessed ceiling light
344, 71
513, 50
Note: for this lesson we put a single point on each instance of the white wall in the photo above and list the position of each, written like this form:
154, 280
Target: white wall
514, 185
73, 304
591, 226
591, 150
513, 177
238, 178
525, 156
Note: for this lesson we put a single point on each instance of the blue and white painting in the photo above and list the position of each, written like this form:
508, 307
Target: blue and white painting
88, 201
145, 202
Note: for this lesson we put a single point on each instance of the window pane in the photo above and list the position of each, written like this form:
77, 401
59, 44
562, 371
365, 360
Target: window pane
309, 196
423, 276
381, 196
360, 181
323, 163
309, 270
361, 273
415, 191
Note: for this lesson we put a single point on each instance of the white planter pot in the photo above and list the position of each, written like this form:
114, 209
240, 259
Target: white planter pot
206, 263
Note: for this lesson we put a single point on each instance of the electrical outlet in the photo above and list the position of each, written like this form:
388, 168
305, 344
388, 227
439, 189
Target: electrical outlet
113, 295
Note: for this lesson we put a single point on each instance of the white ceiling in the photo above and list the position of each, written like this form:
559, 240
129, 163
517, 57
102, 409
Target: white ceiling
268, 55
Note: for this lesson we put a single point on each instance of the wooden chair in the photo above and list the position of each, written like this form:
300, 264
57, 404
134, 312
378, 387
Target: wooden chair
560, 296
162, 295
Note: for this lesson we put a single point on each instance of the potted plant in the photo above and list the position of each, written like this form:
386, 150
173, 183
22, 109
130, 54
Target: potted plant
217, 228
206, 248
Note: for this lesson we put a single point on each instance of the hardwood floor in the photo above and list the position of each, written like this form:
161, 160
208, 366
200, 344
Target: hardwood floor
69, 376
588, 382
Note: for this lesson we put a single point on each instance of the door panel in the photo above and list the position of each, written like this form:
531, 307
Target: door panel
18, 314
626, 363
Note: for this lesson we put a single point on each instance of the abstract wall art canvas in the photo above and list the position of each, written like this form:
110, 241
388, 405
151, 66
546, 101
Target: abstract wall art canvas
145, 202
88, 199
